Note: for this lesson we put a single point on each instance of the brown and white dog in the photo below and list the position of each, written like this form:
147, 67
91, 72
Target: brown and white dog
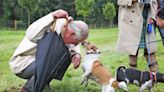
94, 70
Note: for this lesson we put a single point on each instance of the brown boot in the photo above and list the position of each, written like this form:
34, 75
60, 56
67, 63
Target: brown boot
153, 64
133, 61
153, 67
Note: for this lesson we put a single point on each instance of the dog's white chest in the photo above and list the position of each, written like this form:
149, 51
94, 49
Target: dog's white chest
89, 60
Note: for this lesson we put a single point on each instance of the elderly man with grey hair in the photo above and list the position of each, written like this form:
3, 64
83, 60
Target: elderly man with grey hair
23, 64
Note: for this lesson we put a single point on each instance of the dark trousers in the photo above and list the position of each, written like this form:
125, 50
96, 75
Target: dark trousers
29, 74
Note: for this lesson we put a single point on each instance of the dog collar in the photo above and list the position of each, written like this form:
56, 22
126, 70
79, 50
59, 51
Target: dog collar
153, 77
92, 53
141, 77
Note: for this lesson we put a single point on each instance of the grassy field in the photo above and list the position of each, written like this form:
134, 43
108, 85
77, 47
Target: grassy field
105, 39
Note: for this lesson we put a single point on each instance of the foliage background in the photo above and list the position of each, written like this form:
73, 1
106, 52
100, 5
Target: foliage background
24, 12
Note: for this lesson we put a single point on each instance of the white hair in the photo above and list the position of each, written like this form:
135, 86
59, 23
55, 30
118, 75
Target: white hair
80, 28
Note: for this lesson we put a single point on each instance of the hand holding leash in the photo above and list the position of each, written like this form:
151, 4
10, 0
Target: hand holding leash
60, 14
150, 25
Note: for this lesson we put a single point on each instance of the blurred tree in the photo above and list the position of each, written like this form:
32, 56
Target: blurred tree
84, 7
97, 17
69, 5
109, 11
11, 9
116, 10
47, 6
10, 12
31, 10
1, 8
31, 6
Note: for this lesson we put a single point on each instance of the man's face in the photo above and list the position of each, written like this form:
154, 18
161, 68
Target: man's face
70, 36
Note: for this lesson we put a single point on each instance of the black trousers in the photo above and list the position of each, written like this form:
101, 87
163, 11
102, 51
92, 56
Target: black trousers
28, 72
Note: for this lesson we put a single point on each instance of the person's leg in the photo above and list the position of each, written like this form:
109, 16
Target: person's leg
153, 64
28, 85
133, 60
28, 73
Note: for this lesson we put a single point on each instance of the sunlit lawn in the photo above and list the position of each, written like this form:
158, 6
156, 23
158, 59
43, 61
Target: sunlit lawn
105, 39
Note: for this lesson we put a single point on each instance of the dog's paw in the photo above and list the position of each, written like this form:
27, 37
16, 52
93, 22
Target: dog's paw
84, 81
86, 84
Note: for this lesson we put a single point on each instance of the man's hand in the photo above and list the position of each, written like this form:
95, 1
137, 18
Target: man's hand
69, 19
60, 14
134, 1
76, 60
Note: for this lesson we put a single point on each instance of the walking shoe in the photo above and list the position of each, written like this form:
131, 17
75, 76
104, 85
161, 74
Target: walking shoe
28, 85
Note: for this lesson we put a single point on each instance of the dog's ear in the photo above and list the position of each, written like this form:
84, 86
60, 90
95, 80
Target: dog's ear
121, 67
84, 43
118, 71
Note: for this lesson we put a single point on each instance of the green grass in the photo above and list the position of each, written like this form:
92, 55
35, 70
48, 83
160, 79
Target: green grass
105, 39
